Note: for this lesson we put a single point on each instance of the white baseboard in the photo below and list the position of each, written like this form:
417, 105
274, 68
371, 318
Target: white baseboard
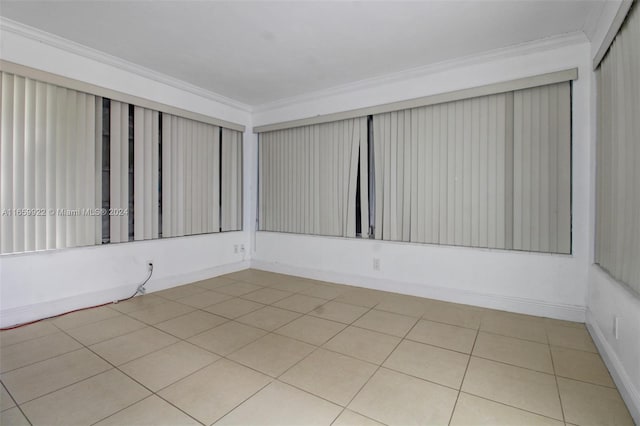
175, 280
36, 311
629, 390
493, 301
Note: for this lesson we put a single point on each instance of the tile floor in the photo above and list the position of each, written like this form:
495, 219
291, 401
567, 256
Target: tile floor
254, 348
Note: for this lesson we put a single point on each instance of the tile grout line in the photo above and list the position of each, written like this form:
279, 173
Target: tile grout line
503, 403
447, 323
512, 337
42, 360
115, 367
144, 399
455, 404
317, 346
377, 368
242, 402
16, 405
315, 350
69, 384
555, 378
510, 406
272, 379
43, 321
512, 365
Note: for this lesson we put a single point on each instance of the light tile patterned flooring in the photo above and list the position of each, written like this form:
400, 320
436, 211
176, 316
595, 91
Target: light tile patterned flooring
254, 348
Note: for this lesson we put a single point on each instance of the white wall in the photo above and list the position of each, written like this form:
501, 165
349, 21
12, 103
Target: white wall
542, 284
36, 285
507, 280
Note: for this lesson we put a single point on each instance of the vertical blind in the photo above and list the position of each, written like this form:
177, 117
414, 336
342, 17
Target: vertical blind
491, 171
542, 169
65, 154
440, 173
119, 177
48, 151
190, 176
309, 175
618, 156
146, 179
231, 151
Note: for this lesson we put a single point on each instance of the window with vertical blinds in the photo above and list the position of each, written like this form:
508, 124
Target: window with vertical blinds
309, 179
79, 169
486, 171
492, 171
618, 155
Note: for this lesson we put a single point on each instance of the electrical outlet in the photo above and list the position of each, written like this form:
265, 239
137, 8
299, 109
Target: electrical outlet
235, 248
376, 264
616, 327
149, 264
242, 248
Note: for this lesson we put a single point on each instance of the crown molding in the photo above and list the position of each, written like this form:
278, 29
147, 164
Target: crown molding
613, 25
440, 98
107, 59
548, 43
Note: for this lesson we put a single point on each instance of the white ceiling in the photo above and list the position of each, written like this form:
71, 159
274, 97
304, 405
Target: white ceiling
259, 52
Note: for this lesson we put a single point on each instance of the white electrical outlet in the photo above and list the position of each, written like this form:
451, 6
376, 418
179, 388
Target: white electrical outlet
376, 264
242, 248
616, 327
149, 263
235, 248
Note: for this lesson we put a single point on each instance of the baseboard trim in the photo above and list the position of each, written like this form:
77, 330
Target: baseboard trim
36, 311
628, 391
493, 301
180, 279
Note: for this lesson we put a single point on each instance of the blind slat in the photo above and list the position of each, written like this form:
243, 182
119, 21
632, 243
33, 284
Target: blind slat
41, 165
6, 158
232, 182
18, 162
30, 164
97, 188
